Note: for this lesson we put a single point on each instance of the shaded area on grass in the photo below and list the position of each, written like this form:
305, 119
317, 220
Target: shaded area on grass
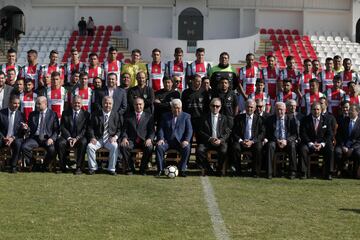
284, 209
48, 206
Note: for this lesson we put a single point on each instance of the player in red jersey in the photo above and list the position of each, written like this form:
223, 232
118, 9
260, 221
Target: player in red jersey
53, 66
348, 75
32, 70
310, 97
73, 65
94, 70
326, 76
199, 66
156, 71
290, 71
286, 93
56, 95
261, 94
84, 91
303, 86
11, 62
112, 65
177, 67
353, 96
271, 76
335, 95
28, 99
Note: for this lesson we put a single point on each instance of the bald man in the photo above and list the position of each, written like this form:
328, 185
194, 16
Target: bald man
43, 125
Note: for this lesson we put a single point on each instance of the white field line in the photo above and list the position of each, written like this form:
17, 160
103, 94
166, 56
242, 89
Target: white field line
214, 211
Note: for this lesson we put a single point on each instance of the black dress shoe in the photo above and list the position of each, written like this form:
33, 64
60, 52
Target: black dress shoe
182, 174
292, 175
91, 172
113, 173
78, 171
329, 177
159, 173
303, 176
13, 170
269, 177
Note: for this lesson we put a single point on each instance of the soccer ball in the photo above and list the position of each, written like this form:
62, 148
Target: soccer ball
171, 171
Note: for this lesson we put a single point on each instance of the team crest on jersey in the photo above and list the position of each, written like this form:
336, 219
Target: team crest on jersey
55, 95
27, 98
83, 95
200, 69
229, 75
229, 98
200, 99
156, 70
145, 96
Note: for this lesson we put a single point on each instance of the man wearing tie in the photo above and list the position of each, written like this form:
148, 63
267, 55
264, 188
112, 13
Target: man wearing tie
138, 132
11, 130
104, 131
73, 128
175, 132
248, 134
281, 135
316, 136
213, 135
44, 129
348, 140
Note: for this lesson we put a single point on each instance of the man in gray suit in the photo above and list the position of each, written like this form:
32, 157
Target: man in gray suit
5, 91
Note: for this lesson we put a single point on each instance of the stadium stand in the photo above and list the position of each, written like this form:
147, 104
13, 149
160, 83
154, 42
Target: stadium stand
282, 43
336, 44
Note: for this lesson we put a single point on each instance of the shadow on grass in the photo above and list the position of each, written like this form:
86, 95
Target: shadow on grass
350, 210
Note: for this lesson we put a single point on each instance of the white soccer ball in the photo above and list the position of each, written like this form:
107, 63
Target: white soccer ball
171, 171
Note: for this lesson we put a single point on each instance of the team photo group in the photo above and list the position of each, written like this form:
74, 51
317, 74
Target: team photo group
183, 105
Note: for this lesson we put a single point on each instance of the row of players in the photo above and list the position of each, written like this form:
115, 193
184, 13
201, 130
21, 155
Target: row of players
286, 130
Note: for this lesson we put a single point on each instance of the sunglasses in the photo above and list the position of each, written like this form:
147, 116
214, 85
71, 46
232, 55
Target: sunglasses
259, 106
216, 106
177, 81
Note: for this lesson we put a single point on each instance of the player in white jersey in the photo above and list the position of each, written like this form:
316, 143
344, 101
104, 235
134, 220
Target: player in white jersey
156, 71
93, 69
32, 70
73, 65
11, 62
177, 67
199, 66
112, 65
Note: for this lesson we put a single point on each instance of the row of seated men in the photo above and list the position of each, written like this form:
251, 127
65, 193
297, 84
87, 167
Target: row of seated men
229, 137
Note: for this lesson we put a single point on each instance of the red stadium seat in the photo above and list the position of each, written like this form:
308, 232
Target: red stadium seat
127, 60
109, 28
262, 58
271, 31
120, 56
297, 37
279, 31
117, 28
289, 38
101, 28
99, 33
273, 37
268, 53
281, 38
262, 31
75, 33
287, 32
295, 32
95, 49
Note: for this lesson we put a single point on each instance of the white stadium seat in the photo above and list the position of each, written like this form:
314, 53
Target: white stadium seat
322, 38
346, 39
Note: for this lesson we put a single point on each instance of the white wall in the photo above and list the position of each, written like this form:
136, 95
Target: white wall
247, 22
320, 21
223, 24
237, 48
280, 19
156, 22
132, 15
103, 15
51, 16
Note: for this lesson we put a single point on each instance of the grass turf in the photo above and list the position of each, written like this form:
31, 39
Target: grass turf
284, 209
49, 206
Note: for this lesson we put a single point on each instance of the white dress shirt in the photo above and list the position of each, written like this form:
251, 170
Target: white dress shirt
214, 123
38, 127
11, 119
248, 127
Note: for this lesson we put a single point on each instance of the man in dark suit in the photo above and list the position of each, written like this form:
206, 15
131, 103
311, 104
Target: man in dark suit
11, 130
291, 106
44, 129
260, 109
5, 91
118, 94
73, 128
138, 132
175, 132
316, 136
281, 135
348, 139
213, 135
104, 131
248, 133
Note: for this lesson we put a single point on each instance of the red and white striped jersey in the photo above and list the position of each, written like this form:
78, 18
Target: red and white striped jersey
69, 67
334, 98
263, 96
289, 74
32, 72
179, 70
27, 103
349, 76
247, 78
156, 73
283, 97
5, 67
48, 69
326, 78
303, 82
94, 72
201, 69
86, 95
352, 99
56, 100
308, 99
112, 67
271, 77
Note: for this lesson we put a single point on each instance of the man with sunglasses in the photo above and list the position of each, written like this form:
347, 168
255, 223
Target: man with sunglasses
213, 135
